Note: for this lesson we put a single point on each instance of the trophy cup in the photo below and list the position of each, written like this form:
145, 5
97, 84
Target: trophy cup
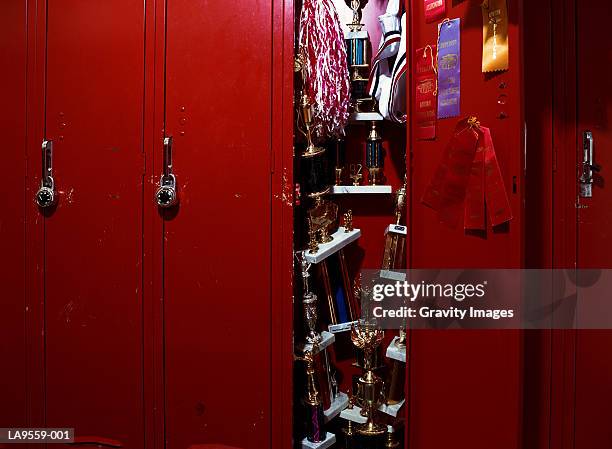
315, 432
305, 113
340, 152
309, 302
395, 240
357, 50
370, 387
374, 156
348, 221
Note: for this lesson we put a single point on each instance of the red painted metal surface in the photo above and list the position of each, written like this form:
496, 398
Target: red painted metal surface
13, 47
594, 107
217, 243
93, 240
470, 381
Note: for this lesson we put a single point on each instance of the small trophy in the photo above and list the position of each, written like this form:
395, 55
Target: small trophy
395, 240
374, 156
340, 152
315, 432
370, 387
305, 113
348, 221
357, 50
322, 216
309, 302
356, 174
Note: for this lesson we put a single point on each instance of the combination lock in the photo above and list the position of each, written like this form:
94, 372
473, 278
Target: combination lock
45, 196
166, 193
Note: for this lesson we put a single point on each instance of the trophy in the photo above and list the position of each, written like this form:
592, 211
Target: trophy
305, 113
356, 174
348, 221
357, 50
374, 156
315, 432
322, 216
370, 387
392, 442
395, 240
340, 152
309, 302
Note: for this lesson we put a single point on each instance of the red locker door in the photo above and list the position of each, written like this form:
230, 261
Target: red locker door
93, 238
593, 367
12, 214
217, 241
468, 383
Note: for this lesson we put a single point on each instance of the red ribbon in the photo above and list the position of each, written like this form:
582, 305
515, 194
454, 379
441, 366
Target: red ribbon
434, 10
469, 181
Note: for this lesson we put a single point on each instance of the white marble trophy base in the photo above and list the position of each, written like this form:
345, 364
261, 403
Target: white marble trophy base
327, 339
353, 414
392, 410
361, 190
340, 239
341, 327
331, 439
365, 117
396, 229
339, 404
395, 353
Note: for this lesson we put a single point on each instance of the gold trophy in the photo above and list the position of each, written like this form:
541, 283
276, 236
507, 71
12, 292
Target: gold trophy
322, 216
356, 174
374, 155
309, 302
357, 49
395, 241
315, 431
370, 387
305, 112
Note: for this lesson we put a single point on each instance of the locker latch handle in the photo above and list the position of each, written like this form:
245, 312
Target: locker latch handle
588, 165
166, 195
45, 196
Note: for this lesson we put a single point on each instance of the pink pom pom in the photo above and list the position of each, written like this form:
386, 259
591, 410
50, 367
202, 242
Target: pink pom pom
326, 80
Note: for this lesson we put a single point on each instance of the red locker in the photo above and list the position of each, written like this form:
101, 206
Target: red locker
92, 63
217, 242
13, 54
469, 383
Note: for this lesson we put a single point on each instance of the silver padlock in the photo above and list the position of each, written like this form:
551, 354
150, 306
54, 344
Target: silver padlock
45, 196
166, 193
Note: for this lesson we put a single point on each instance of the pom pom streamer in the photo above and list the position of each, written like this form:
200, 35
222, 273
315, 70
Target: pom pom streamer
325, 72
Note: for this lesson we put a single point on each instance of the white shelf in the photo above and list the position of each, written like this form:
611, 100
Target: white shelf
396, 229
340, 240
392, 410
331, 439
395, 353
393, 275
327, 339
365, 117
339, 404
353, 414
362, 190
341, 327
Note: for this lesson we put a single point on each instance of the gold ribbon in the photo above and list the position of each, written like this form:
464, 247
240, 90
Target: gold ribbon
494, 35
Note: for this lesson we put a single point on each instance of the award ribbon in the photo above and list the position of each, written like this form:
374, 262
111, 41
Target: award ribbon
449, 68
426, 92
434, 10
494, 35
468, 180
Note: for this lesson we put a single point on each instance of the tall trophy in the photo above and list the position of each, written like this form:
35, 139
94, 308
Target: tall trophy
309, 302
395, 239
370, 387
357, 50
315, 432
305, 114
374, 156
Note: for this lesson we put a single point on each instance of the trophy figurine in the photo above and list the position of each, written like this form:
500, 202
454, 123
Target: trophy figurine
395, 240
357, 50
356, 174
348, 221
322, 216
374, 156
370, 387
315, 432
309, 302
